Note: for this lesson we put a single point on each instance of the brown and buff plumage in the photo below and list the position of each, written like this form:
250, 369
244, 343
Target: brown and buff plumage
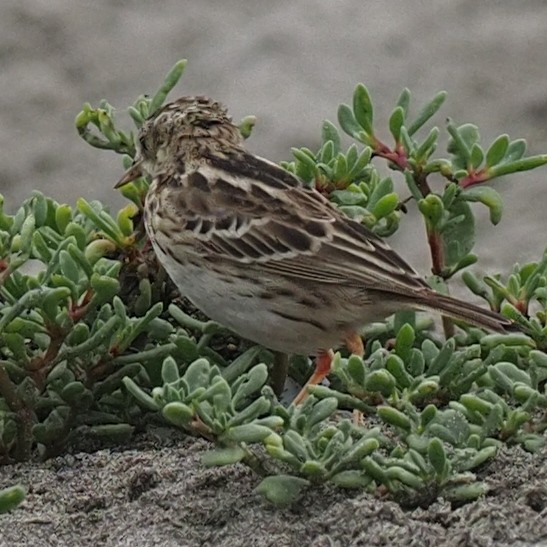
261, 253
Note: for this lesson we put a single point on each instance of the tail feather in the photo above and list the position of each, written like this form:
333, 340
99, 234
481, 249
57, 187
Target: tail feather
470, 313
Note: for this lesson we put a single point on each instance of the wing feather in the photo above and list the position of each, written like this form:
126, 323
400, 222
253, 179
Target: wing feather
247, 209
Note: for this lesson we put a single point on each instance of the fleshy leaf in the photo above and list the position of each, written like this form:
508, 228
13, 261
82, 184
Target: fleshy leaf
282, 490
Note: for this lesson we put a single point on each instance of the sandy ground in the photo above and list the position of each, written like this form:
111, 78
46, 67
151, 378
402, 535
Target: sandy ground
290, 63
157, 493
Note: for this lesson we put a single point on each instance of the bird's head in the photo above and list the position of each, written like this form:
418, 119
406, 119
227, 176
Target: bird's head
179, 130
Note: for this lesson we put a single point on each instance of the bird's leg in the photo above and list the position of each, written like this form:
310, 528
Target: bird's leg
322, 369
278, 373
323, 362
355, 344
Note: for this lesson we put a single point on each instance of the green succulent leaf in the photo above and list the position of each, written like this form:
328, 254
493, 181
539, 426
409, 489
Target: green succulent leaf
487, 196
381, 381
404, 100
498, 149
282, 490
515, 150
428, 146
394, 417
11, 497
351, 479
178, 413
348, 122
321, 411
516, 166
171, 80
437, 456
466, 492
329, 133
142, 397
432, 209
428, 111
362, 108
248, 433
223, 456
396, 121
459, 233
477, 156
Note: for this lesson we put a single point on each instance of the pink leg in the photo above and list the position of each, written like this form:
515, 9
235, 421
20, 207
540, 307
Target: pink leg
355, 344
323, 362
322, 369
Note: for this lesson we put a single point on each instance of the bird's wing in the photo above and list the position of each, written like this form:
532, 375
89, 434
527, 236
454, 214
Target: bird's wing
248, 210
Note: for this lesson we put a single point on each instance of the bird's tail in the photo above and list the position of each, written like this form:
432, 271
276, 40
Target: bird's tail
470, 313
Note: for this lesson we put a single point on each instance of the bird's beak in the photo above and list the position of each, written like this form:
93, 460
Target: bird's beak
134, 172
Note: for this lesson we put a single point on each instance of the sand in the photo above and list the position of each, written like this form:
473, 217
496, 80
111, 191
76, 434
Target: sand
156, 492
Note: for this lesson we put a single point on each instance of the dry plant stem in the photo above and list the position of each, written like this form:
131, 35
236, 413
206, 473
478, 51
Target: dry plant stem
23, 412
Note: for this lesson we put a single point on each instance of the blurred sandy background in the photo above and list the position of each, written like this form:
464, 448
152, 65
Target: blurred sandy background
288, 62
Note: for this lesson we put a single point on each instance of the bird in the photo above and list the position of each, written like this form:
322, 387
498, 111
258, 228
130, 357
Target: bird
261, 252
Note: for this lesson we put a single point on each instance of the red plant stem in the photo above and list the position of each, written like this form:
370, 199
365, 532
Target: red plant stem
101, 370
474, 177
40, 366
5, 271
436, 250
435, 240
78, 311
55, 344
397, 156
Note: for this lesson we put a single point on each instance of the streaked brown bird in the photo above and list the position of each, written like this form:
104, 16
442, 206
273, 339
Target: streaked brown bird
261, 253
